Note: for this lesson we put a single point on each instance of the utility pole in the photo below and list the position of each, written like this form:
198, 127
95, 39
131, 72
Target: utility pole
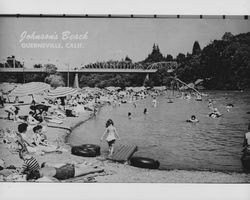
14, 62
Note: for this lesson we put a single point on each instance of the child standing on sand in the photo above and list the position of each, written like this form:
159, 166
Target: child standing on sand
111, 135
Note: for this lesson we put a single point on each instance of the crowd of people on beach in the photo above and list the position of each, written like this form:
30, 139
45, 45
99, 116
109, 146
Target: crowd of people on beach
33, 117
30, 138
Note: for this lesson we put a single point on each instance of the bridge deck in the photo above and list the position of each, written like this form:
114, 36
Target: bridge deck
101, 70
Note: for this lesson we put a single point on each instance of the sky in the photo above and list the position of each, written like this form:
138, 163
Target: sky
87, 40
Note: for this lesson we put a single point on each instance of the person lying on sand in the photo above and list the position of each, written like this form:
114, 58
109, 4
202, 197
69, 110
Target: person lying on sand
63, 171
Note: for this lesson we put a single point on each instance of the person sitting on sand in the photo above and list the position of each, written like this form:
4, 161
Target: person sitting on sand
31, 120
112, 134
193, 119
37, 116
11, 111
23, 140
40, 137
30, 166
8, 137
41, 142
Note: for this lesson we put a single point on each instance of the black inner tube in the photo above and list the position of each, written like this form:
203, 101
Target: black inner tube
144, 162
85, 152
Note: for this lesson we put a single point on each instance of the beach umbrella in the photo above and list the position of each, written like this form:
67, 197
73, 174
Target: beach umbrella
61, 92
7, 87
29, 89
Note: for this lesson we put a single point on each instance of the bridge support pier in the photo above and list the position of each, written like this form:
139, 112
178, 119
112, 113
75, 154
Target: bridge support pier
76, 81
146, 79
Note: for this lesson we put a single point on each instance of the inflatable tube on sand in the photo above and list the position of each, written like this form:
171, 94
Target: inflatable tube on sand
144, 162
81, 151
93, 147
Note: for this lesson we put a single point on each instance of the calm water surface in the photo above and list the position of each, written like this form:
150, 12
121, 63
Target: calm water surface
164, 134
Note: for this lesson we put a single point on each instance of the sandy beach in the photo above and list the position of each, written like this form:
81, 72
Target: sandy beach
113, 172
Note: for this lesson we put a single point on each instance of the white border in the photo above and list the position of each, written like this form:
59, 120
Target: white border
9, 191
170, 7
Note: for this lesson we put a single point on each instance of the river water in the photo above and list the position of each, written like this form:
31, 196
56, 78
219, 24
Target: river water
163, 134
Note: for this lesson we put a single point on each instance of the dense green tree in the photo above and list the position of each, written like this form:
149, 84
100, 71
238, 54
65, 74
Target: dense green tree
55, 80
169, 58
155, 55
38, 66
196, 48
50, 68
180, 58
127, 59
228, 36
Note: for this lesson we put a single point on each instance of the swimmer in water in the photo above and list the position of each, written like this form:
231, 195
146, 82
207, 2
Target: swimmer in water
193, 119
154, 102
229, 106
210, 104
145, 111
129, 115
215, 113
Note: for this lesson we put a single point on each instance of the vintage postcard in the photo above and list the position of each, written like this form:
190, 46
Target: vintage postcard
124, 99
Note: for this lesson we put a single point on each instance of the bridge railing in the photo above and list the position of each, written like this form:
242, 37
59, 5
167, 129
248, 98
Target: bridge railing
90, 70
106, 67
